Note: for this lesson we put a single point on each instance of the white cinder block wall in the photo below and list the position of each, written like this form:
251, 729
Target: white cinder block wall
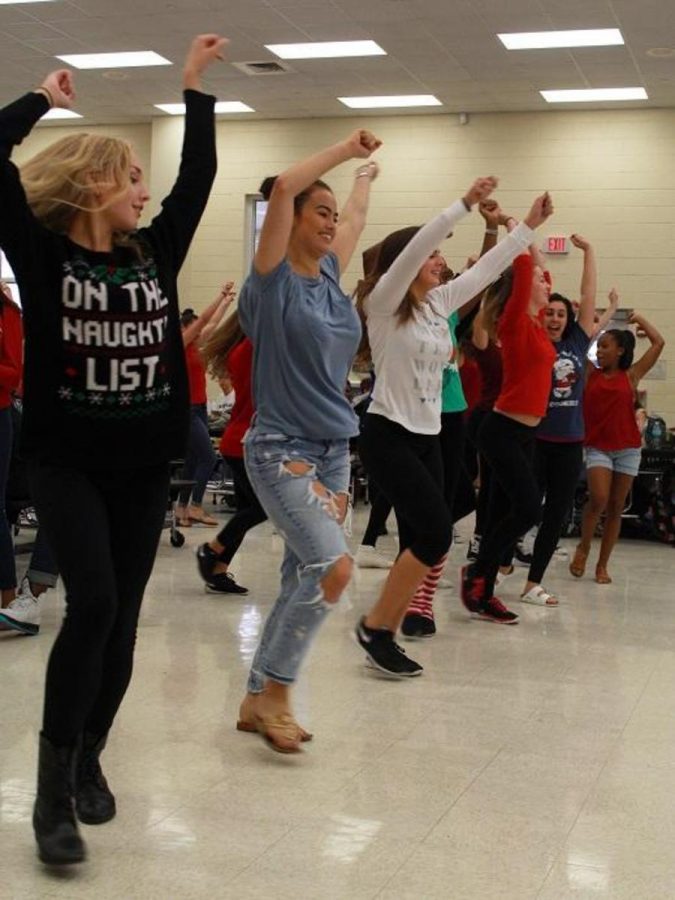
611, 175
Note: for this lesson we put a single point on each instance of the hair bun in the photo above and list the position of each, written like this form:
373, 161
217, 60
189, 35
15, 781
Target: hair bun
266, 187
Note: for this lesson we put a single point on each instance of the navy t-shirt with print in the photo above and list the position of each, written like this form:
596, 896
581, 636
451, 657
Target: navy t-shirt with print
564, 420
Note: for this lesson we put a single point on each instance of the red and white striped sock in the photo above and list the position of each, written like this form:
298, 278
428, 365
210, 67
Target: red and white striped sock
423, 601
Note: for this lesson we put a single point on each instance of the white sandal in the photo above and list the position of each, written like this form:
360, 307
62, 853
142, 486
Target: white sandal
539, 597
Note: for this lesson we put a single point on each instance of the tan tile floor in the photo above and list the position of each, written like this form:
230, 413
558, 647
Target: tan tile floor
528, 762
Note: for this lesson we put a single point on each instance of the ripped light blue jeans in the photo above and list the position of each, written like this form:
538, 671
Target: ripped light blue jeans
313, 536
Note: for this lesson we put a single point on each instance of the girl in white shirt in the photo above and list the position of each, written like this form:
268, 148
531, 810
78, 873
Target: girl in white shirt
406, 308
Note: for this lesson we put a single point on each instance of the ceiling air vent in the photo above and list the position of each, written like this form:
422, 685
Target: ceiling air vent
266, 67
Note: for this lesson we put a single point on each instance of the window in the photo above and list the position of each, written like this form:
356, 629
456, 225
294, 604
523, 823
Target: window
256, 208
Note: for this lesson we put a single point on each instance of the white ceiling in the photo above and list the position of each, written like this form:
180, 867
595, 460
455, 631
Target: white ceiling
442, 47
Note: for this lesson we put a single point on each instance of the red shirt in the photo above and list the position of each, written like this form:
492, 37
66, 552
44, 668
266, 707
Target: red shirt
239, 364
489, 361
609, 414
196, 374
11, 350
527, 352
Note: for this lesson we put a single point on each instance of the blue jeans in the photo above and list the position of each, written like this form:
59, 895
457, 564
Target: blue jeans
201, 457
314, 540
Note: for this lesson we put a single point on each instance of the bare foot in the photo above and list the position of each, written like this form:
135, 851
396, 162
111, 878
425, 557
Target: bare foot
251, 711
602, 575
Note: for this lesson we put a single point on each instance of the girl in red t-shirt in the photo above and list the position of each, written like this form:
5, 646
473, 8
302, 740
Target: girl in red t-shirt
612, 438
229, 350
200, 460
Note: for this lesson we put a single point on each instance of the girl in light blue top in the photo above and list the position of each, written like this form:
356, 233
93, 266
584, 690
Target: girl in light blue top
305, 333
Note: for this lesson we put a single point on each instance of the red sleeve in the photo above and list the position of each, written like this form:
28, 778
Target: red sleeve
518, 302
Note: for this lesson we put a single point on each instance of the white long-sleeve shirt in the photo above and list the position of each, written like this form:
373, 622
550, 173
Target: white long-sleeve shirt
409, 358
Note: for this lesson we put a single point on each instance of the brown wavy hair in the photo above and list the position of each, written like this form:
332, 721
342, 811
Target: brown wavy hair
494, 301
376, 261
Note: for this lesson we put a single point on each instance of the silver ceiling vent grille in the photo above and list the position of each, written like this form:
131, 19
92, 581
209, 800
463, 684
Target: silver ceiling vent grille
266, 67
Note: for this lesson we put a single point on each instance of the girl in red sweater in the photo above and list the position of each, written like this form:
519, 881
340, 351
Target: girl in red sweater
513, 312
612, 438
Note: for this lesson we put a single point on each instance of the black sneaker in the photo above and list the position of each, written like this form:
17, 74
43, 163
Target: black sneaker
472, 590
384, 653
495, 611
206, 562
224, 584
473, 548
415, 625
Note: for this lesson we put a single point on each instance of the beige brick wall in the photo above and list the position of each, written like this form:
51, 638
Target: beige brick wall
611, 175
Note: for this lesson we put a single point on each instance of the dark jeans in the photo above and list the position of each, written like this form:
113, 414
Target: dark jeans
557, 467
7, 568
408, 469
515, 501
103, 528
201, 457
249, 511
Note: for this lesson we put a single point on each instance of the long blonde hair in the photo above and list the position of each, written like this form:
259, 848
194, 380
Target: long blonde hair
220, 343
63, 179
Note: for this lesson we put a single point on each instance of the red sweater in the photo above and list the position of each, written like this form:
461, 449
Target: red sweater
609, 414
11, 350
527, 352
239, 365
196, 374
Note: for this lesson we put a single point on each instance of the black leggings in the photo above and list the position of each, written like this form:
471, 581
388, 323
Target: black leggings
557, 468
483, 499
515, 501
458, 489
380, 508
408, 469
103, 528
249, 511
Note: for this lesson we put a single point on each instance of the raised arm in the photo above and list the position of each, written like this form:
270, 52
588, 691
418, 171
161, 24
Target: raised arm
276, 230
639, 369
479, 336
174, 227
352, 219
490, 266
228, 296
18, 225
394, 284
608, 314
589, 283
493, 216
195, 329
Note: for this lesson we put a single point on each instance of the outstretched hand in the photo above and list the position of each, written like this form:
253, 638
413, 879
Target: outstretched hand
491, 211
480, 190
61, 88
204, 49
580, 242
361, 144
541, 209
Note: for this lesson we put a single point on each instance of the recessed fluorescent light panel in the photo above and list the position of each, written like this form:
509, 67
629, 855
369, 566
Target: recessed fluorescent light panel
545, 40
58, 113
14, 2
326, 49
391, 101
595, 94
115, 60
222, 106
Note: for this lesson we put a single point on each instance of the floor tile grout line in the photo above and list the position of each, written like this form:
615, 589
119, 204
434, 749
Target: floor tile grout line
591, 788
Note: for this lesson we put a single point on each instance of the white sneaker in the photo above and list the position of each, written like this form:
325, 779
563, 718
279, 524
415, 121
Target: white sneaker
501, 577
368, 558
561, 552
23, 613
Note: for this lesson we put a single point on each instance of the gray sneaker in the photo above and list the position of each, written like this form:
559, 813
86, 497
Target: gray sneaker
23, 613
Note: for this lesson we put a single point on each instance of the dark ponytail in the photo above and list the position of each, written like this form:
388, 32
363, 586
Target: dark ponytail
625, 340
300, 199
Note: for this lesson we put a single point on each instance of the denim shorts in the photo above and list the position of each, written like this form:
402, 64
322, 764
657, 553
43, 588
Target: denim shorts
625, 462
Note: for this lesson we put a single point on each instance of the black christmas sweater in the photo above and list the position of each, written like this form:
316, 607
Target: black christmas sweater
105, 384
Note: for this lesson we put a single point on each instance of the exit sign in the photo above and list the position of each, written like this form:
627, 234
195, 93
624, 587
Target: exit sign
556, 244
